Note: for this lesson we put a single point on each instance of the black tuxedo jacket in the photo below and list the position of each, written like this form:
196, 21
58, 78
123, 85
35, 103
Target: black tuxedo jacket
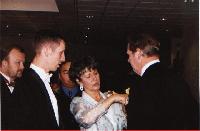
161, 100
7, 106
34, 108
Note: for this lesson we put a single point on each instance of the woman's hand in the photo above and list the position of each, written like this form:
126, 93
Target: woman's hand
121, 98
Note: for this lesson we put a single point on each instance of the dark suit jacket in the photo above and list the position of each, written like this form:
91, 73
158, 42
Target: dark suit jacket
7, 106
161, 100
66, 116
34, 108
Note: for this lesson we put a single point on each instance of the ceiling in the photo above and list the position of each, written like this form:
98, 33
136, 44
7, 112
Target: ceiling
94, 21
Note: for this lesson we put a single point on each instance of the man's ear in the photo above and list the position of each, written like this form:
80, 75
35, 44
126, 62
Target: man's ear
4, 63
46, 51
139, 54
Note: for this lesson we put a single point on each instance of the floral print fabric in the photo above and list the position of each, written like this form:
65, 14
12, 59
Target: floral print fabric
92, 116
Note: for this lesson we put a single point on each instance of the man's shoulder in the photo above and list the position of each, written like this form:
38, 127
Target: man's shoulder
28, 72
30, 75
4, 88
158, 70
29, 79
59, 93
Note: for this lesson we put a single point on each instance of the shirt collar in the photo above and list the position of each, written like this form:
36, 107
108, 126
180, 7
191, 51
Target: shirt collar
147, 65
43, 75
5, 76
67, 90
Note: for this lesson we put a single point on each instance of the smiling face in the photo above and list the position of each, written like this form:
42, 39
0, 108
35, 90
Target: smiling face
90, 80
56, 56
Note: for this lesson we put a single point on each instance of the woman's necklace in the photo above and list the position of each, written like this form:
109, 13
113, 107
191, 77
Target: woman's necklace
97, 97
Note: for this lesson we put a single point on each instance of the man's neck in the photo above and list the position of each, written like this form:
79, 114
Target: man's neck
70, 87
148, 62
149, 59
4, 74
40, 63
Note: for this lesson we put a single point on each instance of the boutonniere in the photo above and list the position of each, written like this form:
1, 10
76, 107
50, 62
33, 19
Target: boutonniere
127, 91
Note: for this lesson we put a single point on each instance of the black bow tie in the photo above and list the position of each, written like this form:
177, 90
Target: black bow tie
12, 83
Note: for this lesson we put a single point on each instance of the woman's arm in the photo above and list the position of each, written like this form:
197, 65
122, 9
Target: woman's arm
87, 116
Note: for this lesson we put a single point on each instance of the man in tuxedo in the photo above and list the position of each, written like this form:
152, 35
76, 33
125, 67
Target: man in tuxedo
161, 99
37, 106
12, 60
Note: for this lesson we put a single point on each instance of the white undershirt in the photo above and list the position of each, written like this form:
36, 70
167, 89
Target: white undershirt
147, 66
11, 88
46, 79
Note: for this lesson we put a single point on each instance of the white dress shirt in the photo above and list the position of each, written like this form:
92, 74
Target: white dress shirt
46, 79
147, 66
11, 88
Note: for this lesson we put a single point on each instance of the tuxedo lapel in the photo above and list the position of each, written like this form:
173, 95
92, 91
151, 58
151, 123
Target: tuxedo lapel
4, 88
7, 106
36, 110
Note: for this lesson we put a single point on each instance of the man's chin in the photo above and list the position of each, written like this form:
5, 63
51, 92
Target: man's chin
57, 66
54, 69
19, 75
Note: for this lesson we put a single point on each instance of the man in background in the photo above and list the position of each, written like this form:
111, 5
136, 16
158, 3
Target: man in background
69, 88
12, 60
65, 92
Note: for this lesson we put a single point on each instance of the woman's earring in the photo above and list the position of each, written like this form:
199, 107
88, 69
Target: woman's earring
81, 87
